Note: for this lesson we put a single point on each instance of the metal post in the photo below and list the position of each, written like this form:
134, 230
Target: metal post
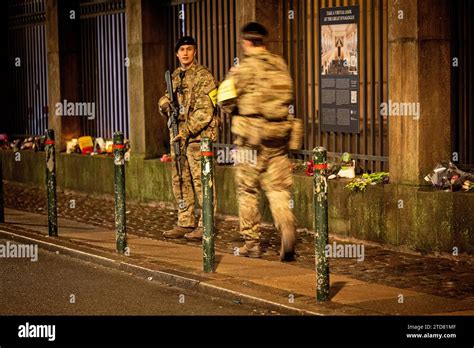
321, 239
50, 150
119, 191
207, 205
2, 213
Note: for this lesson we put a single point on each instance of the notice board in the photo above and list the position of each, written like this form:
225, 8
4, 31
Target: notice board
339, 70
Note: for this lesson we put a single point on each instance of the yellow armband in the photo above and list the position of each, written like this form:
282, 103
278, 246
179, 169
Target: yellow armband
213, 95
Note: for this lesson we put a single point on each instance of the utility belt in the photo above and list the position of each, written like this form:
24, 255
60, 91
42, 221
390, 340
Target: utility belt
275, 143
255, 130
280, 119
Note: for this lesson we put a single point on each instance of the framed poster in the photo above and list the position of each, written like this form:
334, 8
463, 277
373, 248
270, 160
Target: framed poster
339, 70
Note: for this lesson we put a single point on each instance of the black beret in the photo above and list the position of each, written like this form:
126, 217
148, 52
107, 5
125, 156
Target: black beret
185, 40
254, 30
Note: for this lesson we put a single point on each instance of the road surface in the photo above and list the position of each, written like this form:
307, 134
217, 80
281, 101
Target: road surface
61, 285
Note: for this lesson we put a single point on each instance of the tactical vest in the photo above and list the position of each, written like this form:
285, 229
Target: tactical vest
264, 105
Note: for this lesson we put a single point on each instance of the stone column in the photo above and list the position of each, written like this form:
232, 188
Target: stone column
64, 74
148, 53
419, 72
267, 13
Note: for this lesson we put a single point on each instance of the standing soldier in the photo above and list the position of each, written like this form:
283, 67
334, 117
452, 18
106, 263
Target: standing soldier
259, 92
195, 89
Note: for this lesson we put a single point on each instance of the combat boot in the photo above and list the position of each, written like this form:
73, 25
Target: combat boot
287, 249
194, 235
177, 232
251, 248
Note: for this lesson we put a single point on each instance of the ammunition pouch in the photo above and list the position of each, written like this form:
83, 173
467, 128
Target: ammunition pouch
296, 134
255, 130
248, 129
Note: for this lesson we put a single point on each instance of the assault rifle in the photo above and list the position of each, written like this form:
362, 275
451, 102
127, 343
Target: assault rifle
173, 125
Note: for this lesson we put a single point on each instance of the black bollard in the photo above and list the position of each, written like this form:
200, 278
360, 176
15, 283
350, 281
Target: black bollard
119, 191
50, 150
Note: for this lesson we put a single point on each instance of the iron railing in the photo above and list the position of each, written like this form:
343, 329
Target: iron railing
301, 49
462, 81
214, 25
104, 66
27, 110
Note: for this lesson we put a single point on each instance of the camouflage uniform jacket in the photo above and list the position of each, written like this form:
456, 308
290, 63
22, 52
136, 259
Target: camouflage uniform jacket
196, 117
264, 91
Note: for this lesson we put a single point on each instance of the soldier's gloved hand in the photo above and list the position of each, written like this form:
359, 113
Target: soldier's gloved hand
182, 135
164, 105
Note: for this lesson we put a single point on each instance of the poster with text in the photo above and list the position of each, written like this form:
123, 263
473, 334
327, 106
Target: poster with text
339, 70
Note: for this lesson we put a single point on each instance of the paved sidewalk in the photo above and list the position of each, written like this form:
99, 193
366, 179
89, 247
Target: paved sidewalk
283, 286
439, 274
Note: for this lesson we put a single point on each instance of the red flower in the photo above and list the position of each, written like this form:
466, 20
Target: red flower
309, 168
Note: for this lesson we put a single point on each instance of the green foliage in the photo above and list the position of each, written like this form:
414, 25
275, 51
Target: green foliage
359, 184
468, 185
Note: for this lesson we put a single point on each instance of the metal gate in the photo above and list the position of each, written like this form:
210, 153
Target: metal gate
27, 112
301, 49
104, 66
214, 25
462, 80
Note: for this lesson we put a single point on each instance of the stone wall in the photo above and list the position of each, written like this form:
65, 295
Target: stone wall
420, 218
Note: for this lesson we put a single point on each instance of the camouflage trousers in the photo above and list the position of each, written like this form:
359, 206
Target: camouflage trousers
189, 190
271, 172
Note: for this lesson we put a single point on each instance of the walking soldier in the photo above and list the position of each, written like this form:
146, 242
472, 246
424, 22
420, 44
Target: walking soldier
258, 92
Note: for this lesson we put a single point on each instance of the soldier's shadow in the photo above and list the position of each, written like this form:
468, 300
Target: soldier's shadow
217, 261
335, 288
